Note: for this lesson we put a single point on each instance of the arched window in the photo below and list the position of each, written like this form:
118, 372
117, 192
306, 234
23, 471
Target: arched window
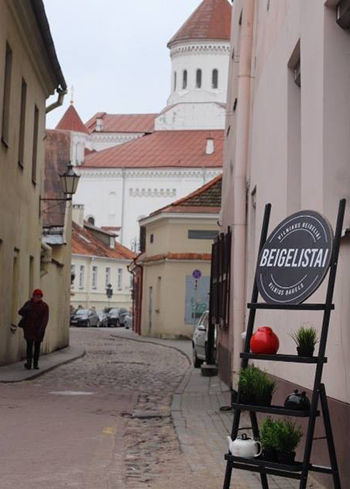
215, 79
184, 80
199, 78
91, 220
175, 76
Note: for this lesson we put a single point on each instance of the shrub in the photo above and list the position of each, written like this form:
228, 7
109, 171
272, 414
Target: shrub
283, 436
305, 338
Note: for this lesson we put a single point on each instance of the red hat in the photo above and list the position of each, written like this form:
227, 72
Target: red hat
38, 292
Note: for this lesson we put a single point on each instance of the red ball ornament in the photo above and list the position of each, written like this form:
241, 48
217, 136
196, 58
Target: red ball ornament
264, 341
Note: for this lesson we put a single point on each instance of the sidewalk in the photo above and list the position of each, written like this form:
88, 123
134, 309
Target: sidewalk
201, 427
15, 372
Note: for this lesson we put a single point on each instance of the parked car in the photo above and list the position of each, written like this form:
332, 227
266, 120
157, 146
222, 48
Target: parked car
200, 340
128, 321
115, 317
85, 317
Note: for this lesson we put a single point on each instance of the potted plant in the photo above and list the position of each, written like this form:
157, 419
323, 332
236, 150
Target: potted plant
279, 439
268, 439
305, 339
287, 436
256, 387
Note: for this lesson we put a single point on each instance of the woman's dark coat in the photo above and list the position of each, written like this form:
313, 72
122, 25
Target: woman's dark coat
35, 319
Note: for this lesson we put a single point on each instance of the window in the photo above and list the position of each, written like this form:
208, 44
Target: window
6, 96
184, 79
81, 277
175, 76
72, 275
198, 78
31, 276
35, 143
22, 121
202, 234
91, 220
120, 278
94, 278
108, 276
215, 79
151, 238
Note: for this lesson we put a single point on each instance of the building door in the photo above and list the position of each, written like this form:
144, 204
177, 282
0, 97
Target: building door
150, 307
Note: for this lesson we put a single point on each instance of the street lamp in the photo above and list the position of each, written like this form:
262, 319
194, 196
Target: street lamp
69, 180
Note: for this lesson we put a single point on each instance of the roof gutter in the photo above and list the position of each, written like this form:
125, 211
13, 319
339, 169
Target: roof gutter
40, 15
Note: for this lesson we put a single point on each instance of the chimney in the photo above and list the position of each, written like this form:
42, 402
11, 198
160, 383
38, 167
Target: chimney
78, 214
210, 146
99, 124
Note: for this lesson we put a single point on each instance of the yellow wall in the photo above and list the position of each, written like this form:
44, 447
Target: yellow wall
20, 224
164, 314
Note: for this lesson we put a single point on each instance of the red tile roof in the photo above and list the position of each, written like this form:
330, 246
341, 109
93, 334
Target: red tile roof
71, 121
205, 200
57, 156
162, 149
143, 123
176, 256
211, 20
85, 243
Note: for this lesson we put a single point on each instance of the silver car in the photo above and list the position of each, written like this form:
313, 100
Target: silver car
200, 340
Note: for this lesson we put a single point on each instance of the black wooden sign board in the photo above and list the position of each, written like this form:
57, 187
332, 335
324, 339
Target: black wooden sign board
295, 258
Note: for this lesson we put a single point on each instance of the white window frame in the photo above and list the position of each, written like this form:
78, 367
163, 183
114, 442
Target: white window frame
120, 279
81, 277
94, 277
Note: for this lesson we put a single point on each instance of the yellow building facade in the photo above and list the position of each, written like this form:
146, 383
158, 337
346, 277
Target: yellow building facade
29, 74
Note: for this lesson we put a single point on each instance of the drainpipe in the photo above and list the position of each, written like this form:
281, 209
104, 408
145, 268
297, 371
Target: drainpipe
122, 208
240, 177
61, 94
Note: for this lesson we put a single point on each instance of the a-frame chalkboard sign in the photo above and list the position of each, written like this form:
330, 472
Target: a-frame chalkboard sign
298, 470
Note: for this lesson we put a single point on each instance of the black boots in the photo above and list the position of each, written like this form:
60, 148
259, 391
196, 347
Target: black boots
28, 365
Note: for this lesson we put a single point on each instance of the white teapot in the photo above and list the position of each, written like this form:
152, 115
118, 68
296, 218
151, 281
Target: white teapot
244, 447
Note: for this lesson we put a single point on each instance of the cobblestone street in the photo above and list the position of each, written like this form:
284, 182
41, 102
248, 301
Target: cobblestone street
118, 418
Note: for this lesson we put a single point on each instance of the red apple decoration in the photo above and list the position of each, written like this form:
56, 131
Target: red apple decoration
264, 341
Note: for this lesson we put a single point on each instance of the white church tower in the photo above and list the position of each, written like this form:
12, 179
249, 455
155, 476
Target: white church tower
199, 54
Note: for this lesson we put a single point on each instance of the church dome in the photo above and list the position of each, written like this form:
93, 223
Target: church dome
211, 20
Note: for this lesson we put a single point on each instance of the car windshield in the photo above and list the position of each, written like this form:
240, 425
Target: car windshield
113, 311
82, 312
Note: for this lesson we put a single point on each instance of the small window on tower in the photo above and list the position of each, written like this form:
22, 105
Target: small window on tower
199, 78
175, 76
215, 79
184, 80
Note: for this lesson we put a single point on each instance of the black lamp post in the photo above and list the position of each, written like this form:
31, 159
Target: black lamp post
69, 181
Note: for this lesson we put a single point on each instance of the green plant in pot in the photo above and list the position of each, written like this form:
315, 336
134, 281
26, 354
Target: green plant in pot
255, 386
268, 439
288, 436
305, 339
279, 439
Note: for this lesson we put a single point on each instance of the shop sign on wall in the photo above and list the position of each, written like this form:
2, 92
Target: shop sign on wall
295, 258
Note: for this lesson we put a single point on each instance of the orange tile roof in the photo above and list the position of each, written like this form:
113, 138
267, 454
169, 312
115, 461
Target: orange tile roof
206, 199
143, 123
176, 256
71, 121
85, 243
211, 20
162, 149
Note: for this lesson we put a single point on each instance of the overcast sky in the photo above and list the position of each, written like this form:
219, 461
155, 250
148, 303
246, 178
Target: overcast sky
114, 52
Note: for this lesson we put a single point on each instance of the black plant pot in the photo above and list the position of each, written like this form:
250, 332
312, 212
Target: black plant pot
263, 401
305, 352
269, 454
286, 457
245, 398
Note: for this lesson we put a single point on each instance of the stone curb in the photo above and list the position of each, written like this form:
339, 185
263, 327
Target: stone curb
15, 372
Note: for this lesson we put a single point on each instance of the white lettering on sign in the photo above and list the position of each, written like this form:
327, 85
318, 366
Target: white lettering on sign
294, 258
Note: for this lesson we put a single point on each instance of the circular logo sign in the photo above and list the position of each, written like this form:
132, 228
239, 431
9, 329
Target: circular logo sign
196, 274
295, 258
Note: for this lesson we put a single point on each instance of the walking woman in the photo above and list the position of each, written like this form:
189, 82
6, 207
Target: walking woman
35, 318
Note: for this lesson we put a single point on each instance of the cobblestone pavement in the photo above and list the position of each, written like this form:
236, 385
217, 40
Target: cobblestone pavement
129, 415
